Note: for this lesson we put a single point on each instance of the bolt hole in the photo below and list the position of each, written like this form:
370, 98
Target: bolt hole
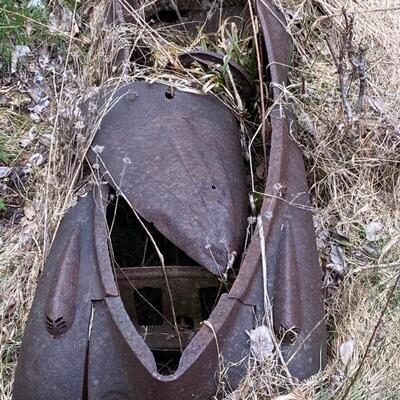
169, 95
213, 187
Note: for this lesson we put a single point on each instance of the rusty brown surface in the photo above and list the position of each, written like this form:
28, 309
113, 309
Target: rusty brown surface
106, 352
61, 303
154, 322
179, 162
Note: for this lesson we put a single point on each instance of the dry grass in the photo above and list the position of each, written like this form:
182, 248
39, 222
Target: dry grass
353, 172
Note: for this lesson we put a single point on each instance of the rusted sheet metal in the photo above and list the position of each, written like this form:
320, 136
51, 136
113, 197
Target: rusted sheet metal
287, 179
52, 367
189, 287
179, 162
61, 303
106, 347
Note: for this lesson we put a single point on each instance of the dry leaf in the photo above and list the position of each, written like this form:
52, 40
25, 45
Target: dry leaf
28, 137
337, 260
18, 55
65, 22
40, 106
346, 352
4, 172
373, 231
261, 343
29, 212
36, 159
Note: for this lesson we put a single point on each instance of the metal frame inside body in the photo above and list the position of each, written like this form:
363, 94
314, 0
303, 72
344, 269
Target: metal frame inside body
80, 341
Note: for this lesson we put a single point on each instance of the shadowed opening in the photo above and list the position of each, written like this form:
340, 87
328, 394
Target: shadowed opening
167, 317
131, 244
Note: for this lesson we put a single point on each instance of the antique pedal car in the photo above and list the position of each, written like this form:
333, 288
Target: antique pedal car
144, 294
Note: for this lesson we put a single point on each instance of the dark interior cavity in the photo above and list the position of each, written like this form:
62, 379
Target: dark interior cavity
191, 295
167, 361
130, 242
168, 16
190, 15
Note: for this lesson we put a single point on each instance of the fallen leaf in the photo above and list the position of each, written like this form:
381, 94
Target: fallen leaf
337, 260
28, 138
36, 159
18, 55
261, 343
38, 89
4, 172
40, 106
346, 352
29, 212
64, 22
373, 231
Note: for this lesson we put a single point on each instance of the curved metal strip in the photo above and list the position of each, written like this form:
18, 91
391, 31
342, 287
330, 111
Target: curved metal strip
277, 42
61, 303
287, 306
132, 372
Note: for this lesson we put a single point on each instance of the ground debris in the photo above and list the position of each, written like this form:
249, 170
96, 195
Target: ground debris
346, 352
19, 55
373, 231
337, 258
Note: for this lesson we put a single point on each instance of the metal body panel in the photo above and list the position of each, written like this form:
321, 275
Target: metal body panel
117, 357
101, 354
53, 368
179, 162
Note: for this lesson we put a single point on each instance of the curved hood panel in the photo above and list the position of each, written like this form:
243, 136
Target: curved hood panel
177, 159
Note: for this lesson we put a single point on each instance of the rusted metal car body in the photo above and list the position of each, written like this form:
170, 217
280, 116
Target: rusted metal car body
109, 322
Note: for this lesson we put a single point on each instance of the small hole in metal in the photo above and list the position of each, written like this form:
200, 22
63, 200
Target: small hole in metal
213, 187
169, 95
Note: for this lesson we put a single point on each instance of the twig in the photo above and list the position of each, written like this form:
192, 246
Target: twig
361, 69
343, 83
